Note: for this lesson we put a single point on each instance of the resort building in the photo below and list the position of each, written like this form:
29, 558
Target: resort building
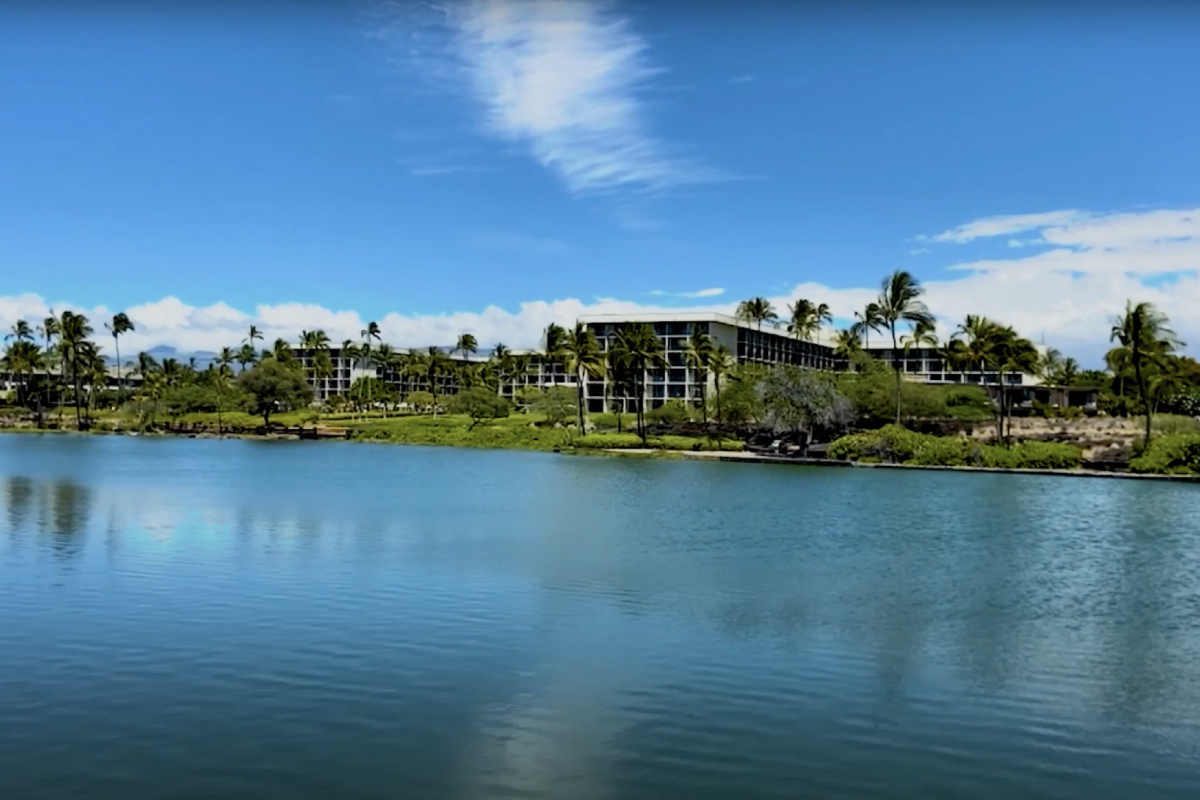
746, 342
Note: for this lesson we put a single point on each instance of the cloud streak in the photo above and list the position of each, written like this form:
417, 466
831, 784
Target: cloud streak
564, 79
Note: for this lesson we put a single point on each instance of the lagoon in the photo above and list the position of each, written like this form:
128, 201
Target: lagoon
246, 619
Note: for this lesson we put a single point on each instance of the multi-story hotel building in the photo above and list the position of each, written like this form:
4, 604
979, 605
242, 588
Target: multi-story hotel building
747, 342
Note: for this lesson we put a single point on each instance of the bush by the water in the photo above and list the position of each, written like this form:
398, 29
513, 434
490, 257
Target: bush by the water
631, 441
896, 445
873, 393
1170, 455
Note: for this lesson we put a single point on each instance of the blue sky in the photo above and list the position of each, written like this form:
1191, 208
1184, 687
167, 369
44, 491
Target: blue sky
491, 166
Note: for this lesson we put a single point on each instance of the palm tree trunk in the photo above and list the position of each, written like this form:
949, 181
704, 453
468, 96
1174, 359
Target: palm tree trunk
78, 391
579, 398
1000, 416
896, 367
717, 385
1141, 381
117, 347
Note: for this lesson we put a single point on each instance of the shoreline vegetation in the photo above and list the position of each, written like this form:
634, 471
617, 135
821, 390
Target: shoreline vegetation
862, 410
1171, 455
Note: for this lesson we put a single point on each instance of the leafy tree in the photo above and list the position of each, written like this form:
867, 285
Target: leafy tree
420, 400
900, 301
581, 355
275, 386
557, 403
369, 389
698, 353
796, 400
741, 402
480, 405
1145, 339
757, 310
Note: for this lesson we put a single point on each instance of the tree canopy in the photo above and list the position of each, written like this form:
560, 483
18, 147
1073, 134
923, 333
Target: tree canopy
275, 386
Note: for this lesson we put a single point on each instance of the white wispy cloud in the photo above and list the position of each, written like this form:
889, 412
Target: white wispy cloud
564, 78
1005, 225
691, 295
1064, 294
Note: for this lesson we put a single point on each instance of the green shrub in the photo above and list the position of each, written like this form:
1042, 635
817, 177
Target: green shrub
1177, 454
1043, 455
630, 441
600, 441
671, 412
891, 443
896, 445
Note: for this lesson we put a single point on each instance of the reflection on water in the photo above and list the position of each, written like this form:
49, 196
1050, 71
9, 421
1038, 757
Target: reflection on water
313, 620
59, 512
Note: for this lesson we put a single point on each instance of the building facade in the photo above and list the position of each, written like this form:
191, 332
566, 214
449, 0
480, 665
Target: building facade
679, 380
748, 343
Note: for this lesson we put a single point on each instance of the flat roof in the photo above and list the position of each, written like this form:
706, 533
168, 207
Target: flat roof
822, 336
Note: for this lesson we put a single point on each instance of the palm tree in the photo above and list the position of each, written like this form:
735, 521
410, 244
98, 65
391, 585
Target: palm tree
640, 348
388, 361
719, 364
501, 359
847, 346
21, 331
254, 334
807, 318
466, 344
866, 321
322, 369
23, 334
1013, 353
757, 310
221, 378
314, 343
1143, 333
281, 351
121, 324
1068, 372
21, 358
922, 336
900, 301
50, 328
582, 356
369, 334
698, 353
75, 331
246, 355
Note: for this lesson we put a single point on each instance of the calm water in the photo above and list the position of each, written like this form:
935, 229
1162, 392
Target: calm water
198, 619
